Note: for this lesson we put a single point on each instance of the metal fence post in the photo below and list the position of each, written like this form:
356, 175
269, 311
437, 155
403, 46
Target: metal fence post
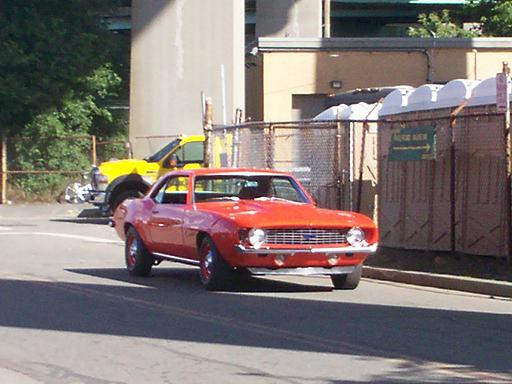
269, 142
93, 149
366, 128
207, 129
4, 170
337, 166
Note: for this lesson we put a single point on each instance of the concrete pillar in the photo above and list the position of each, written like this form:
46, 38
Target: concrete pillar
181, 48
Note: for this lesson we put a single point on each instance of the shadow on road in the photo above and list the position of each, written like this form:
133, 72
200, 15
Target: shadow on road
86, 216
161, 278
172, 305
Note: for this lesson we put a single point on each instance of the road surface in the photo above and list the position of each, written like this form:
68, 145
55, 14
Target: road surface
69, 313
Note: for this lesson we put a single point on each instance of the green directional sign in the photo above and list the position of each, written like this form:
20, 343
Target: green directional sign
413, 144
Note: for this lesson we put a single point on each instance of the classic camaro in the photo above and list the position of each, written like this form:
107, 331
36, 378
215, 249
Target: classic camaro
229, 221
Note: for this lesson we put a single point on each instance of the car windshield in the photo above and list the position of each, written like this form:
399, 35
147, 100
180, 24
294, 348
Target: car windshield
164, 151
241, 187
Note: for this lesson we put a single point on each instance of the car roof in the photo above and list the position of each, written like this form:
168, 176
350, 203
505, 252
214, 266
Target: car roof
232, 171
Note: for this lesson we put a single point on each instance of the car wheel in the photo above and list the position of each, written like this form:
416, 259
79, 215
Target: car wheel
348, 281
122, 196
138, 260
214, 272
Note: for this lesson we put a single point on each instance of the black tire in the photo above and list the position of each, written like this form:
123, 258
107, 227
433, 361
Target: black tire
214, 272
348, 281
118, 198
138, 260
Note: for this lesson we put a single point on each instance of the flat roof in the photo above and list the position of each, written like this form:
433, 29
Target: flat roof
286, 44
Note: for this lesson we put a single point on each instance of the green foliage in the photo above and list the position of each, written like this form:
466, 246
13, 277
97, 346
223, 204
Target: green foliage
47, 47
494, 15
438, 25
59, 70
60, 140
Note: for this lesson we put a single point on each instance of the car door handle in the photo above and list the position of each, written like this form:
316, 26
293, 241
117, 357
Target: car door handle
155, 211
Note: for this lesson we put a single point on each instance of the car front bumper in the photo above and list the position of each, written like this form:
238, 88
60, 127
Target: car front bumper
303, 271
289, 251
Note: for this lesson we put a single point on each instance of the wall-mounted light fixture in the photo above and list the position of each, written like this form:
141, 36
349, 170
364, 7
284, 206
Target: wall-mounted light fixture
336, 84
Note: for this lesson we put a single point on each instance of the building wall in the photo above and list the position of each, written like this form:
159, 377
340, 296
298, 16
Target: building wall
178, 50
287, 73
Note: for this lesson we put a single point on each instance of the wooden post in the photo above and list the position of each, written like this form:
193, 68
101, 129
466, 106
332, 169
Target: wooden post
93, 149
4, 171
207, 129
453, 175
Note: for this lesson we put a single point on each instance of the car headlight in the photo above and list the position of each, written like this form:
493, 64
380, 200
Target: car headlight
257, 237
355, 236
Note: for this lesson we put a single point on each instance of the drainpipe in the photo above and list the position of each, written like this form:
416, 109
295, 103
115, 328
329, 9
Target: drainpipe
428, 55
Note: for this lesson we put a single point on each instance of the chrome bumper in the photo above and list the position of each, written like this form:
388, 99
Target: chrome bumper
340, 250
303, 271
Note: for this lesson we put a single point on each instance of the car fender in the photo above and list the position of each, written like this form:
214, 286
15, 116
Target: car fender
224, 233
124, 179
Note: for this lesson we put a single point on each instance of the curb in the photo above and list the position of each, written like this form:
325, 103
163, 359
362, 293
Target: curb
465, 284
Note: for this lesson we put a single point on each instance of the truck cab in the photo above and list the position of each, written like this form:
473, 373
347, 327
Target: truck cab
117, 180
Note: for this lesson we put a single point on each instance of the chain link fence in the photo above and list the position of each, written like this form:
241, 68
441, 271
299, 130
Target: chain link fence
40, 168
322, 155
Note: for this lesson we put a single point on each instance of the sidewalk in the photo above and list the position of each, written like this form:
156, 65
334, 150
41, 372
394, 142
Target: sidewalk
458, 283
469, 273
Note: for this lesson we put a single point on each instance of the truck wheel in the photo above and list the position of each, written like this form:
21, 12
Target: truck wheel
138, 260
118, 198
214, 272
348, 281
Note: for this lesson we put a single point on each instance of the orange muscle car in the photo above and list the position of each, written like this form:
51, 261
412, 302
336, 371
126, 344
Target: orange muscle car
226, 221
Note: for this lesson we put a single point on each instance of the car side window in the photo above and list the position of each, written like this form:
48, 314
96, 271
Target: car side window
192, 152
173, 191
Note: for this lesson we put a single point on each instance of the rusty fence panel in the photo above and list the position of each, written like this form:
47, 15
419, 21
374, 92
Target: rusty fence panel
455, 202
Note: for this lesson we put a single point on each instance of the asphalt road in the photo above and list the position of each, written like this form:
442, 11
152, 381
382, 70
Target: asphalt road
69, 313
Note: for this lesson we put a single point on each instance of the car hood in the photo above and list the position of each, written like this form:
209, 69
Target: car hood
275, 214
113, 169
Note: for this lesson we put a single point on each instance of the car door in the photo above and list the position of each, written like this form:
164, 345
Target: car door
166, 217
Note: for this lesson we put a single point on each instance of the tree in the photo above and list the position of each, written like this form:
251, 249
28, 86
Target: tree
495, 16
58, 72
48, 47
438, 25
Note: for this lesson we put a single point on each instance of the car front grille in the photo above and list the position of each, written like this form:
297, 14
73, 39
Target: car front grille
305, 236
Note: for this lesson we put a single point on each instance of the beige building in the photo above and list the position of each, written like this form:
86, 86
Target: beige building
291, 78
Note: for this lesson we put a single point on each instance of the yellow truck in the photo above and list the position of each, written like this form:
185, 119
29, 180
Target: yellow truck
114, 181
